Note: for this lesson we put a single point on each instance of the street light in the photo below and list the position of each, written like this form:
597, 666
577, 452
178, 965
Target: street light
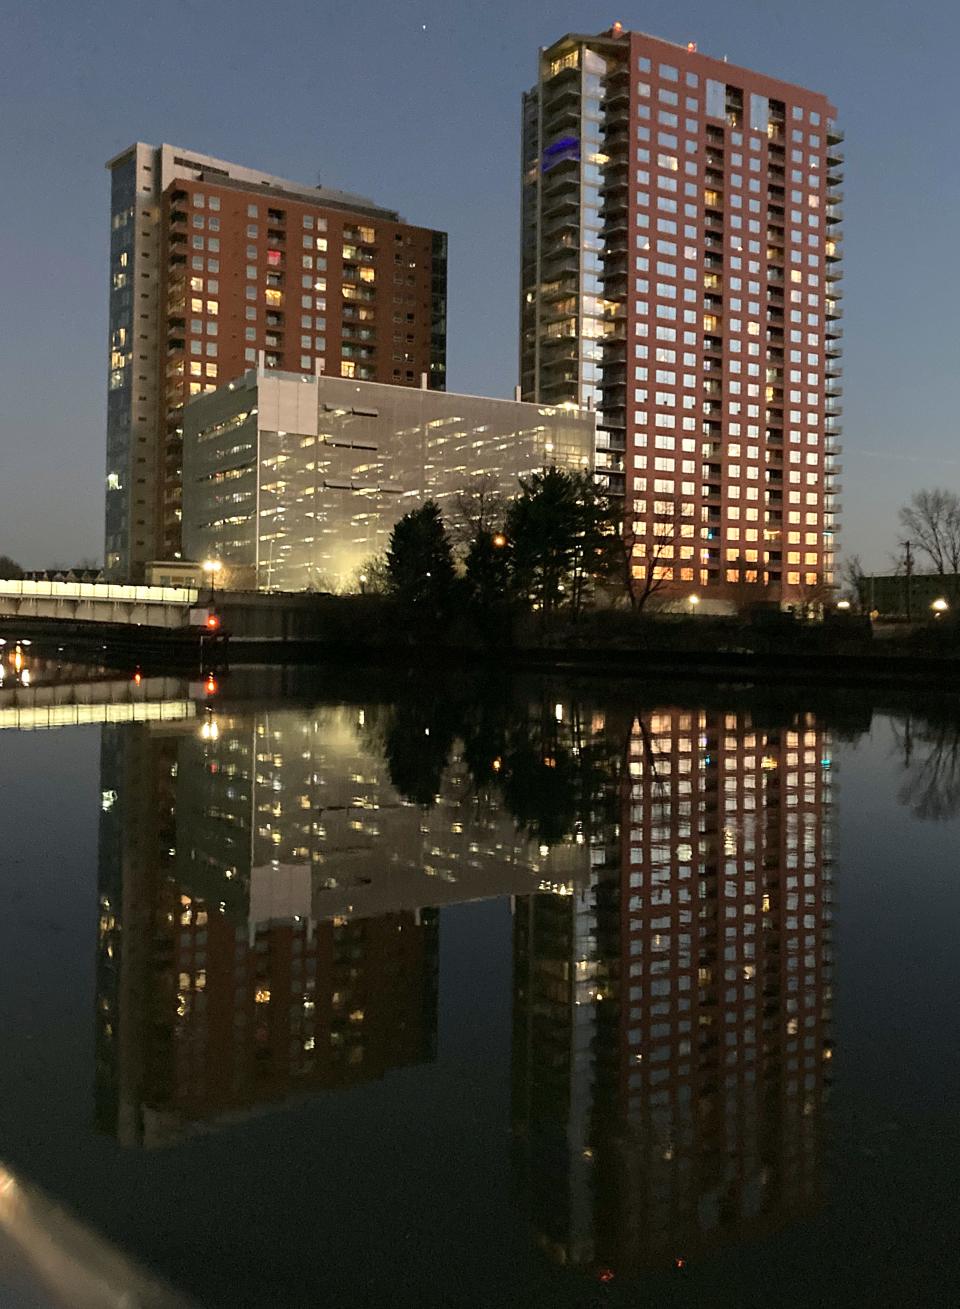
939, 607
212, 568
499, 540
694, 601
843, 604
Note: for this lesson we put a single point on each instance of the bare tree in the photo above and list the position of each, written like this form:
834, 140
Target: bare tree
645, 556
372, 577
932, 522
931, 766
480, 508
853, 579
813, 594
746, 588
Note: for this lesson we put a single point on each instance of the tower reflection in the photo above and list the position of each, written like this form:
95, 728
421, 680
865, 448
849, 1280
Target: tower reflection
672, 1021
269, 894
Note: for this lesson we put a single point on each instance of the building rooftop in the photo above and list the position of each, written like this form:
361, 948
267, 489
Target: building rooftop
223, 172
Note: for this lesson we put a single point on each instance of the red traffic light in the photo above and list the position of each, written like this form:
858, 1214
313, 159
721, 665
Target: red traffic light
213, 622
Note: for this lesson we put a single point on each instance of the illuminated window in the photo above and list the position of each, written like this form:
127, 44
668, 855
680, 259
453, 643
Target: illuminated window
274, 297
348, 368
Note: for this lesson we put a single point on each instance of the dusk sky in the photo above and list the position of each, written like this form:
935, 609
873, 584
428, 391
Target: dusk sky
416, 103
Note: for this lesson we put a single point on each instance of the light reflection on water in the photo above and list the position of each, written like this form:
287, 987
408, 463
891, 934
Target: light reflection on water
276, 878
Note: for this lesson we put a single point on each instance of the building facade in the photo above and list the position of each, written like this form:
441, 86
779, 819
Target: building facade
680, 270
211, 263
293, 481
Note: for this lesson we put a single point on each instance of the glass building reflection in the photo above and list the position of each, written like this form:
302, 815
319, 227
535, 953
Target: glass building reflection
268, 908
672, 1027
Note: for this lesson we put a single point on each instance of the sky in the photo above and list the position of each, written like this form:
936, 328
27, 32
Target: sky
416, 103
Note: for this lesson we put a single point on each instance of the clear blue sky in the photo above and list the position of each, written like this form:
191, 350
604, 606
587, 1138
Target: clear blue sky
427, 121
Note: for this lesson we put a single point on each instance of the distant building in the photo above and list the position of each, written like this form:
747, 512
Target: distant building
211, 262
174, 572
63, 575
899, 596
293, 481
681, 224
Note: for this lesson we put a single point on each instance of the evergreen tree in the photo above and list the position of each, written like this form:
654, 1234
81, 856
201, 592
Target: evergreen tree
420, 562
563, 538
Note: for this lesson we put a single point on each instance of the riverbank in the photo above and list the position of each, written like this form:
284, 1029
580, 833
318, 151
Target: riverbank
770, 647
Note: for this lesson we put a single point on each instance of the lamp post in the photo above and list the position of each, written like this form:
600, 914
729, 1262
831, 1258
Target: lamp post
939, 607
212, 568
694, 601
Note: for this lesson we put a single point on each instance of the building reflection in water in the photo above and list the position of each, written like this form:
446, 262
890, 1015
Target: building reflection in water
672, 1022
270, 886
268, 907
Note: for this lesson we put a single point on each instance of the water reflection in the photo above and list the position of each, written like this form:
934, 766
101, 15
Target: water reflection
930, 758
270, 885
672, 1023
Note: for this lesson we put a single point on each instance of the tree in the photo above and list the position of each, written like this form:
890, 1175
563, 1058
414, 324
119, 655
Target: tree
541, 528
932, 522
10, 570
745, 588
487, 565
420, 562
373, 576
853, 579
597, 551
813, 595
479, 508
644, 553
562, 537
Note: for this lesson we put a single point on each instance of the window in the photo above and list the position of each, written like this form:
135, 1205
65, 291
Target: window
716, 99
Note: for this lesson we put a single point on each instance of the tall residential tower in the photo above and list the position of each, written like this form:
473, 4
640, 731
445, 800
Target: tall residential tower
680, 265
211, 263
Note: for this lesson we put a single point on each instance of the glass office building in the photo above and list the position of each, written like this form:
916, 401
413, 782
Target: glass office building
293, 481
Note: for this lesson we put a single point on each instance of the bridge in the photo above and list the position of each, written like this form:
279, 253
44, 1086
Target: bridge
102, 602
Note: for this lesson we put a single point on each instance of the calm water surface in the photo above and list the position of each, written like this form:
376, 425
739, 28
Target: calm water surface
319, 990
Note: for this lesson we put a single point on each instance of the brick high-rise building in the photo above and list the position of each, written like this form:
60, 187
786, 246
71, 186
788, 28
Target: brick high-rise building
211, 263
680, 266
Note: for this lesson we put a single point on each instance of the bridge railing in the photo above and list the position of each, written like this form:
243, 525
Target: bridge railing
183, 595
